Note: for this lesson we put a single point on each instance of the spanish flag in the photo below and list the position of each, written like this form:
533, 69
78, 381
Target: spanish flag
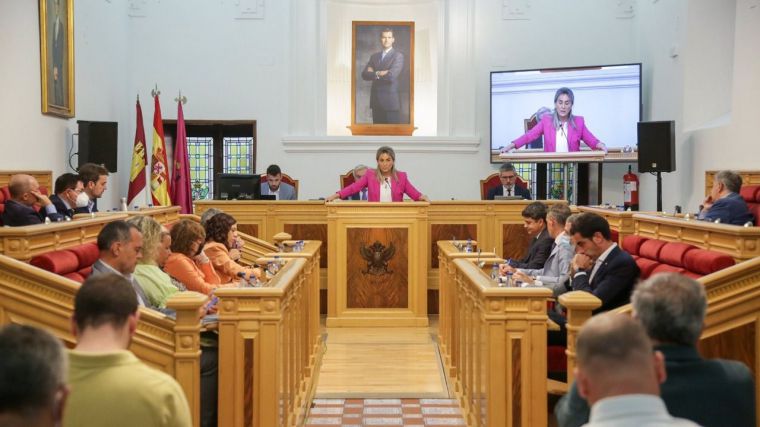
159, 173
139, 161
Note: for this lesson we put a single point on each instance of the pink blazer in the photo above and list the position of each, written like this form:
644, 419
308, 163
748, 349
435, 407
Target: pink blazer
546, 127
398, 188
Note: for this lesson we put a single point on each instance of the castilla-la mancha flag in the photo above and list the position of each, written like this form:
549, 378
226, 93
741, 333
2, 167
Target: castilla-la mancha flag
136, 191
181, 191
159, 171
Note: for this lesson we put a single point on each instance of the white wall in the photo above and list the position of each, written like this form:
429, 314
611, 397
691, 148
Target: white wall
273, 69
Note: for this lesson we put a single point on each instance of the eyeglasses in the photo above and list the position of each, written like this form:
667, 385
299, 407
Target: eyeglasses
508, 177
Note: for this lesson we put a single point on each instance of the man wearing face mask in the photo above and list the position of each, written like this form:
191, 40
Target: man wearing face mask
25, 194
69, 194
95, 180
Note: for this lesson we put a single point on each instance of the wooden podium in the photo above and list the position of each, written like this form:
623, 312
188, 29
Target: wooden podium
377, 268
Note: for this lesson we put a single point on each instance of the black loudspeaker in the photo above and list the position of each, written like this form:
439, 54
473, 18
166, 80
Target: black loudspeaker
98, 143
657, 146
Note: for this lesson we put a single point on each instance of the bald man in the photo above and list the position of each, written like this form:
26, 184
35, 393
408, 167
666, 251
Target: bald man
25, 194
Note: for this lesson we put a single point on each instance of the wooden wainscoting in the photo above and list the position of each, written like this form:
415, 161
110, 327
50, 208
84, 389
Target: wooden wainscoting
44, 178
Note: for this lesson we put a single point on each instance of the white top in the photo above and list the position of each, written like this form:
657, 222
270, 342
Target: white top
276, 194
561, 139
385, 191
600, 260
508, 190
633, 410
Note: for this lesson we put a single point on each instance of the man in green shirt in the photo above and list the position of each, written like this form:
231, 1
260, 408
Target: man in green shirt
109, 385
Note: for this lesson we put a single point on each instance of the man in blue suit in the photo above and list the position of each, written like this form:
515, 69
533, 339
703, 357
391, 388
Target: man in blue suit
724, 202
25, 194
508, 187
383, 70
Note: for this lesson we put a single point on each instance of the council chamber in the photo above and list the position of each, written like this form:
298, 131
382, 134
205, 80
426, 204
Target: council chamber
358, 213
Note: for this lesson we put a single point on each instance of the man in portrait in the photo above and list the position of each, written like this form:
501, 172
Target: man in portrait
58, 32
383, 70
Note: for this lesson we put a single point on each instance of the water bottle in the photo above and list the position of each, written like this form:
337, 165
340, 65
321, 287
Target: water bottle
468, 247
135, 208
495, 272
508, 280
124, 207
47, 220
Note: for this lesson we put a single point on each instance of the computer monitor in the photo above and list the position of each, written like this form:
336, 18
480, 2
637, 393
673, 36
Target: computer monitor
232, 186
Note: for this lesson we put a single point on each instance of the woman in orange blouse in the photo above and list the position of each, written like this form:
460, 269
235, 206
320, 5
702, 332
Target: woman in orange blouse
187, 263
221, 239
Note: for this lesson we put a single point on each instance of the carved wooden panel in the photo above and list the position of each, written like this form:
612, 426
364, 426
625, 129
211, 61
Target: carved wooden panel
311, 232
377, 268
516, 383
446, 232
516, 241
737, 344
249, 380
250, 229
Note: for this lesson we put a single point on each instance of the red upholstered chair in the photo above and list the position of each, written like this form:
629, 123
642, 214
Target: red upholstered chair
286, 179
347, 178
751, 196
702, 261
493, 181
73, 263
632, 244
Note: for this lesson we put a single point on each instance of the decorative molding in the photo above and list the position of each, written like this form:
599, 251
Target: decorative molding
368, 144
516, 10
250, 9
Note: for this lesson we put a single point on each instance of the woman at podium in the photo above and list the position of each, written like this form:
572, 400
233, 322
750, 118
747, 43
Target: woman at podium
384, 184
562, 130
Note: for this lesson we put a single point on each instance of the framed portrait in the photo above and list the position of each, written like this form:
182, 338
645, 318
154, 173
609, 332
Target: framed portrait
382, 78
57, 57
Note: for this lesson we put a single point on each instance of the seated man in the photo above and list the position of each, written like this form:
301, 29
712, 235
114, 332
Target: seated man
33, 369
554, 273
724, 202
534, 216
620, 375
358, 173
709, 392
69, 194
599, 267
508, 178
110, 386
25, 193
275, 186
95, 179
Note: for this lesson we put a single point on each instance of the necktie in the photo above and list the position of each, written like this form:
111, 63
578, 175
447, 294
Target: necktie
364, 194
509, 191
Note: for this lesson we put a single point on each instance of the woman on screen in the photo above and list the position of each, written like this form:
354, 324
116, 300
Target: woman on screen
562, 130
384, 184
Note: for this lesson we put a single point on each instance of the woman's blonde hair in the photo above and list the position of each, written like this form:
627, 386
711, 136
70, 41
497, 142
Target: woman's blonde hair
151, 231
389, 151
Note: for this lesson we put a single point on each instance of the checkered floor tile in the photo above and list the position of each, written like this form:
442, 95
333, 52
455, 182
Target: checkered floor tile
384, 412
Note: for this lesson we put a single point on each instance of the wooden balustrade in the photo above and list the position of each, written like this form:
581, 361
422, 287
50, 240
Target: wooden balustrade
267, 357
493, 342
31, 296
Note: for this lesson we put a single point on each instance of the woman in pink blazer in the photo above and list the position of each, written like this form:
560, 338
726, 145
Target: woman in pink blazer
563, 124
384, 184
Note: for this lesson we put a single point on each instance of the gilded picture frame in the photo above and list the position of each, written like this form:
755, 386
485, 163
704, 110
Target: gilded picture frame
57, 57
382, 78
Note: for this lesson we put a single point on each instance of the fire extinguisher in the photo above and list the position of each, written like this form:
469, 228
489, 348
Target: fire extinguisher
631, 190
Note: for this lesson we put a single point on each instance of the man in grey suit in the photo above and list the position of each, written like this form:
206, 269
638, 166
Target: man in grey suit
556, 269
275, 187
383, 70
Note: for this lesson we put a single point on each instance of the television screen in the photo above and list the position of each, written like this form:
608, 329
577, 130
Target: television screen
231, 186
607, 97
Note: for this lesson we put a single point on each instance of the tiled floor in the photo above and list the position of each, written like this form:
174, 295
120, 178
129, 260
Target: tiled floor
384, 412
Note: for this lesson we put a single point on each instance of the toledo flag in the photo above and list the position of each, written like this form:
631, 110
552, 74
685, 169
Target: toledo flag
159, 173
139, 161
181, 191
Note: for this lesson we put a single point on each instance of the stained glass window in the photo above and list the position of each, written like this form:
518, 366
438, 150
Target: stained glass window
201, 153
238, 155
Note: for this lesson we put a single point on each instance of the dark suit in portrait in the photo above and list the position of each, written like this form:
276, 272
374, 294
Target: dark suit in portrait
384, 99
516, 191
58, 31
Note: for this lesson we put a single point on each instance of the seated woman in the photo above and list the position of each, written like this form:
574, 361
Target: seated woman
187, 263
384, 184
221, 240
156, 284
